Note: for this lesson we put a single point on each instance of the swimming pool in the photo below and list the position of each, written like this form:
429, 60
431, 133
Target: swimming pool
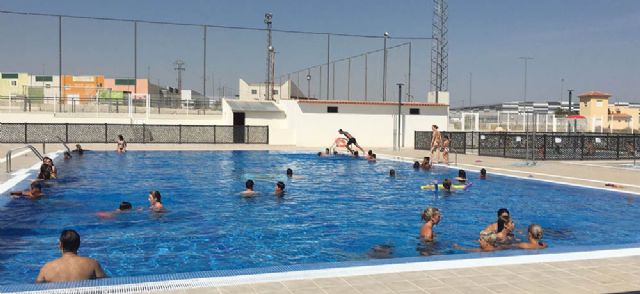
336, 209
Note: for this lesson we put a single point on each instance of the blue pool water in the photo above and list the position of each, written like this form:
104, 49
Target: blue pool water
335, 209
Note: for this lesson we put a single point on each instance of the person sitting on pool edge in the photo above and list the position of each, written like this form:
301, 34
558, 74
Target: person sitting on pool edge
462, 176
70, 266
279, 191
431, 217
35, 191
124, 206
249, 192
426, 163
483, 174
155, 201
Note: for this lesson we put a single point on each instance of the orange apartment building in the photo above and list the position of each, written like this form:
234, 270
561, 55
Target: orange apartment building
80, 89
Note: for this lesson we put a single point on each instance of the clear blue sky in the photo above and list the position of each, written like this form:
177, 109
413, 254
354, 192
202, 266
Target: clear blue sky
591, 44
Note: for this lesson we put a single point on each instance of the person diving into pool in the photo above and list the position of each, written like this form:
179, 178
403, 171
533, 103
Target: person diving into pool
351, 140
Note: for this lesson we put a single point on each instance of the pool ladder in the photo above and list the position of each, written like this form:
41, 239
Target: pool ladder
10, 152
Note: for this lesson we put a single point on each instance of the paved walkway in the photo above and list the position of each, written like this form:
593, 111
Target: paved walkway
603, 275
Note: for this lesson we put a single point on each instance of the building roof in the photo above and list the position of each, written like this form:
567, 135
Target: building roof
253, 106
594, 94
619, 116
384, 103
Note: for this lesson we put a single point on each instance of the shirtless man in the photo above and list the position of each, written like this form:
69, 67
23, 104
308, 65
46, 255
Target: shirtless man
248, 192
35, 191
351, 140
70, 266
436, 142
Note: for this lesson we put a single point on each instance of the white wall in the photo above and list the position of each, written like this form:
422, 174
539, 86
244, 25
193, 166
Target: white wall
245, 90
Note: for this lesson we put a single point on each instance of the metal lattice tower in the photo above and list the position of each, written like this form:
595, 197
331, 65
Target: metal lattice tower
270, 55
179, 66
439, 48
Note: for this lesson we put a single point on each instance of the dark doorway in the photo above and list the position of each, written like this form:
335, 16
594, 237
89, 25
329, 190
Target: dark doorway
238, 127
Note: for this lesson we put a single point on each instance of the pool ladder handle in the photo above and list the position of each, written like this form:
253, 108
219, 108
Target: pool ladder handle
63, 143
8, 156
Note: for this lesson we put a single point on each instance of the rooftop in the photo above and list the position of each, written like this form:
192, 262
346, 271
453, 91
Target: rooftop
595, 94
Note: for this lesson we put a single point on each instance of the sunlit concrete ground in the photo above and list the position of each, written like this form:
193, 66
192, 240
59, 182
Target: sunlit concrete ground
603, 275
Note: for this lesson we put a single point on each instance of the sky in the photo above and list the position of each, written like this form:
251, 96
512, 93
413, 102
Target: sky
575, 44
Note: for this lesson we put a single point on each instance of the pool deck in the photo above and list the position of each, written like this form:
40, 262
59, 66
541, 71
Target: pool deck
591, 275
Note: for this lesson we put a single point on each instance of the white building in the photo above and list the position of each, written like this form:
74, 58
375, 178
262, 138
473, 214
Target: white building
315, 123
46, 86
191, 99
258, 91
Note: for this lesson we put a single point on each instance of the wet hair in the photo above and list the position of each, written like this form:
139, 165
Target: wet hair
289, 172
70, 241
326, 150
67, 154
429, 212
392, 172
319, 153
374, 156
355, 153
416, 165
434, 126
502, 221
156, 196
462, 174
536, 232
249, 184
35, 185
45, 172
124, 205
370, 152
483, 172
502, 211
340, 131
335, 152
121, 137
280, 185
446, 184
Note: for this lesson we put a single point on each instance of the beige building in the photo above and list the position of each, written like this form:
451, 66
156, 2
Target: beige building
604, 117
13, 84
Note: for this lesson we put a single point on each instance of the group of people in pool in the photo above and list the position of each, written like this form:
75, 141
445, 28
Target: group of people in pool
496, 236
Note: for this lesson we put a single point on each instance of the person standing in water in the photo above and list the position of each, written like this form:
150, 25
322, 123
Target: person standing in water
431, 216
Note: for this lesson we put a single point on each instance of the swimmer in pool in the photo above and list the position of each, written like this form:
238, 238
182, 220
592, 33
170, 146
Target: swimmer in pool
67, 155
431, 216
279, 191
534, 238
124, 206
502, 213
392, 173
34, 192
372, 158
491, 240
289, 173
483, 174
462, 176
416, 165
446, 185
426, 163
155, 201
248, 192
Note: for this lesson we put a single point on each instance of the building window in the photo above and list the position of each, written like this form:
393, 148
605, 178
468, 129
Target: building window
332, 109
414, 111
254, 92
599, 104
14, 83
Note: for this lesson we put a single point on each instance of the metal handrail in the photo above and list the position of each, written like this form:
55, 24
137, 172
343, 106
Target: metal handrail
64, 144
8, 156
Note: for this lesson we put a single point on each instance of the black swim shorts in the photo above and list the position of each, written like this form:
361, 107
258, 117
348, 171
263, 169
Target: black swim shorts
351, 141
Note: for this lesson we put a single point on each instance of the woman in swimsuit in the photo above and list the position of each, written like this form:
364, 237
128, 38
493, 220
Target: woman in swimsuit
491, 240
534, 237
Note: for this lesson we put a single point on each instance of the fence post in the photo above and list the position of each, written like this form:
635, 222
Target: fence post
25, 133
581, 147
105, 133
144, 130
179, 134
66, 132
617, 146
544, 147
214, 134
247, 128
504, 145
268, 134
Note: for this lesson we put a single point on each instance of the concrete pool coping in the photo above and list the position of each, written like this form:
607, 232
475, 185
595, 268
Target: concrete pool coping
389, 278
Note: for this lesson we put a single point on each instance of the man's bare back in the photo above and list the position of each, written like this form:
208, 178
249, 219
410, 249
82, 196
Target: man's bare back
70, 267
